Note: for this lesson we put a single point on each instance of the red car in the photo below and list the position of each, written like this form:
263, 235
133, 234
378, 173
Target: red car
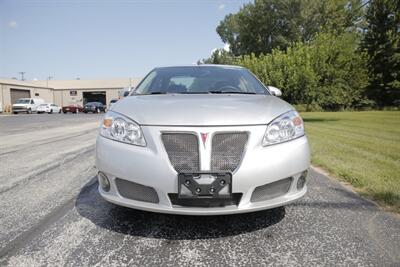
72, 108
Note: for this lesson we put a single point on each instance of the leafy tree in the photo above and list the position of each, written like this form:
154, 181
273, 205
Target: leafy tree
264, 25
382, 44
218, 56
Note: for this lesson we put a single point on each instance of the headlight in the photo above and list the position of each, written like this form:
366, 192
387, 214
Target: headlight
286, 127
120, 128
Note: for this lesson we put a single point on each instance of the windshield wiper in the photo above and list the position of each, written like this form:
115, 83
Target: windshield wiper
231, 92
195, 93
157, 93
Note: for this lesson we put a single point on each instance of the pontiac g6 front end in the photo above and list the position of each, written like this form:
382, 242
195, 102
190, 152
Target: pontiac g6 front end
202, 140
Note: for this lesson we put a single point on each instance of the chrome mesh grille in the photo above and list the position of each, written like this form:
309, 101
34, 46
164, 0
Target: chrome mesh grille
227, 150
183, 151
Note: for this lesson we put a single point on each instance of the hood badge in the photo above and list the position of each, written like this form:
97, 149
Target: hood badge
204, 137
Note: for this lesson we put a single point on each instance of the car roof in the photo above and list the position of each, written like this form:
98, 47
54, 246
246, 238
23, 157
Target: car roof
203, 65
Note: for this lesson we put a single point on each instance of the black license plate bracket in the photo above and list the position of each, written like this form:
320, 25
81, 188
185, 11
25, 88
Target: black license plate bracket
220, 185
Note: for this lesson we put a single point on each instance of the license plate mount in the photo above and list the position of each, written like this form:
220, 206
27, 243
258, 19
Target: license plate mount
210, 185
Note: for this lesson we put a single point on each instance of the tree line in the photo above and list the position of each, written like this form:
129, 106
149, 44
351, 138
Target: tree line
324, 55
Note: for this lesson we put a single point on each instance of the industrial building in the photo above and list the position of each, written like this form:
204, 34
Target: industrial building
63, 92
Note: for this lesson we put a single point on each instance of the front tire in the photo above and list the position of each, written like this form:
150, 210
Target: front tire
51, 111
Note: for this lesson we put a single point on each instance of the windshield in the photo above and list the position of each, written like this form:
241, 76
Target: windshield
200, 80
23, 101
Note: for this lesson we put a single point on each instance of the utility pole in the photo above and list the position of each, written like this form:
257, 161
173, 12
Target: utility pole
48, 79
22, 75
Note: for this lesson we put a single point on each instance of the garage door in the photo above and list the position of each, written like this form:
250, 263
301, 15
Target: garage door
17, 94
99, 96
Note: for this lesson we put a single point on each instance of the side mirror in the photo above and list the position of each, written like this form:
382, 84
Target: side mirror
126, 93
275, 91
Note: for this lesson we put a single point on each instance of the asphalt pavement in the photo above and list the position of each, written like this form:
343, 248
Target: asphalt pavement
51, 214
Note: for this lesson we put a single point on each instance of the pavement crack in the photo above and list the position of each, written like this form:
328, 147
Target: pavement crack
41, 226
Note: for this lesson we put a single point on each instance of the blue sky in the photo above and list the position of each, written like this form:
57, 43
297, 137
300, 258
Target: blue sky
105, 39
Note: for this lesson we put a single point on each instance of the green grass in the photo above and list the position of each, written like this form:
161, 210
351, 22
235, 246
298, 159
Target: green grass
362, 148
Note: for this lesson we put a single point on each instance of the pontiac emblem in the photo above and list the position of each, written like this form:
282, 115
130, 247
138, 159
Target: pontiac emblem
204, 137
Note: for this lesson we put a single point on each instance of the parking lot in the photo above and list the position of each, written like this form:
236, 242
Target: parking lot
52, 214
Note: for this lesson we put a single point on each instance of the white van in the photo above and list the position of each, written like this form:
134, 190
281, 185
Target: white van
27, 105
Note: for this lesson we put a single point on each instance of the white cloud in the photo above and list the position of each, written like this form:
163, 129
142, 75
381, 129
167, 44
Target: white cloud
12, 24
221, 6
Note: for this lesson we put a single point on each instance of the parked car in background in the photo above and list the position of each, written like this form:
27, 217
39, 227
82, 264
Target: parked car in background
48, 108
202, 140
94, 107
112, 102
73, 108
26, 105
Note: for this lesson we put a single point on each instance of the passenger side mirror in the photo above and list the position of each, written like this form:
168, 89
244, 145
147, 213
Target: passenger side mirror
275, 91
126, 93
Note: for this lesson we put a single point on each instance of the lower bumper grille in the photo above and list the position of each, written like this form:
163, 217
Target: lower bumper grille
271, 190
136, 191
205, 202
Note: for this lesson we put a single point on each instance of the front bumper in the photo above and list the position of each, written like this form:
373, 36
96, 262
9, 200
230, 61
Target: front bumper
89, 109
19, 109
150, 166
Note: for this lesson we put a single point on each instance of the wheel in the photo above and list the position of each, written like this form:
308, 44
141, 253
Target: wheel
51, 111
15, 112
64, 112
59, 111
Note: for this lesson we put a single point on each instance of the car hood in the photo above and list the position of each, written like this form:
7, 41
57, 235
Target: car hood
20, 105
201, 110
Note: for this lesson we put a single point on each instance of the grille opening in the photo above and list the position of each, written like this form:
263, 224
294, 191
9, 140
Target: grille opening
227, 150
271, 190
183, 151
136, 191
205, 202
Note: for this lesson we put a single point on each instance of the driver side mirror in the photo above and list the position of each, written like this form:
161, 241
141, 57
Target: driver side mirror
126, 93
275, 91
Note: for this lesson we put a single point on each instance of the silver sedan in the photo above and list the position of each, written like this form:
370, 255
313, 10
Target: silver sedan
202, 140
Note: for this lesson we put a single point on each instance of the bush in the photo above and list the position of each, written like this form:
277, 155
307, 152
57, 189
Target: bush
327, 73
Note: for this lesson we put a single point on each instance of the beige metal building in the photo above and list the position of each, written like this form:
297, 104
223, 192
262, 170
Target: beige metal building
63, 92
